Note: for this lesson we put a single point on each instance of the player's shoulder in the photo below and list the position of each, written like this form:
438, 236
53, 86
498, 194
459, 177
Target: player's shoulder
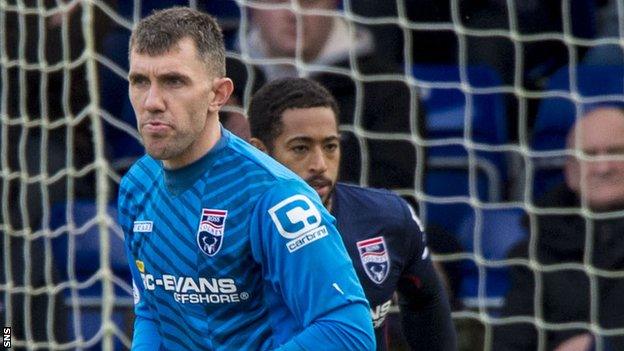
380, 206
374, 199
249, 160
274, 182
137, 183
144, 171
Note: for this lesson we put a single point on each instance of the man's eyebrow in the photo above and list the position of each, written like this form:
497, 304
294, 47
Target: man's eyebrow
134, 75
300, 138
173, 75
614, 150
165, 76
307, 139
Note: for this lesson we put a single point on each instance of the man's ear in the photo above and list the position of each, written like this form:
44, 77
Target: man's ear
572, 174
572, 168
222, 89
259, 144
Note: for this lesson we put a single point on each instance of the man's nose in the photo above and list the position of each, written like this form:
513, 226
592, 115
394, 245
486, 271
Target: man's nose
317, 161
602, 166
154, 100
601, 163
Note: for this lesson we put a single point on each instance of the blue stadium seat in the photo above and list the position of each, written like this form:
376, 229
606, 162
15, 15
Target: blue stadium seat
449, 177
500, 230
78, 253
446, 106
447, 167
556, 115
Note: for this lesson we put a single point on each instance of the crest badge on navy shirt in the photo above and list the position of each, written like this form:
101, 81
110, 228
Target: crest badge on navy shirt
210, 231
375, 259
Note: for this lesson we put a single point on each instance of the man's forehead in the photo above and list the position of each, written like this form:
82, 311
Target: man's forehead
157, 64
599, 140
182, 48
174, 60
308, 123
308, 116
599, 124
601, 132
310, 138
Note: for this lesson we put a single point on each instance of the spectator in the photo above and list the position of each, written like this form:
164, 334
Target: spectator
607, 27
328, 47
539, 58
569, 295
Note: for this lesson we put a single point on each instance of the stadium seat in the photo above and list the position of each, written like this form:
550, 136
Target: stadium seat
557, 114
447, 110
500, 230
449, 177
78, 253
446, 104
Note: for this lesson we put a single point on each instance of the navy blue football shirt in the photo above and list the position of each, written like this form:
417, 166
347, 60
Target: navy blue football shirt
387, 245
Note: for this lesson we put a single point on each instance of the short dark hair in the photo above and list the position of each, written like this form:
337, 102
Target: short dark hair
270, 101
162, 30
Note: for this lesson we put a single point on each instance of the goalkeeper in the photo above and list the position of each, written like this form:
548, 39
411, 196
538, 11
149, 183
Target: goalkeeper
295, 121
228, 249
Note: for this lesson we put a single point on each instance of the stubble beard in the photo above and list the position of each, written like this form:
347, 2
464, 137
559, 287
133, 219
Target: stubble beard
168, 149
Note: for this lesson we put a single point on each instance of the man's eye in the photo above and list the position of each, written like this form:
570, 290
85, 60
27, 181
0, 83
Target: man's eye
331, 147
299, 149
618, 151
174, 82
139, 81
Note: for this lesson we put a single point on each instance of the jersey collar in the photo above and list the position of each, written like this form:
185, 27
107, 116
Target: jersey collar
179, 179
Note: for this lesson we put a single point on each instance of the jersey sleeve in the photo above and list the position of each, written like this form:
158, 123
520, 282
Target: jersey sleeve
146, 336
423, 300
306, 264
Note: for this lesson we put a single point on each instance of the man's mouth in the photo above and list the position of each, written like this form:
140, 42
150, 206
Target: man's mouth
321, 185
156, 127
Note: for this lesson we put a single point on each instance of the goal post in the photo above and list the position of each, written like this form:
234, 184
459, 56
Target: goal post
53, 158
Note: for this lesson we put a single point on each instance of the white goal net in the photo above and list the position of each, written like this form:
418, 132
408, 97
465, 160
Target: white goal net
462, 107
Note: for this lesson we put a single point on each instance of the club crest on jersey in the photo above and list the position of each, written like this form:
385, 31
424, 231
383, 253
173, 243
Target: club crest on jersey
375, 259
210, 232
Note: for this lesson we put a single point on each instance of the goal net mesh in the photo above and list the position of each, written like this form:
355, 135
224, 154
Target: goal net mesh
67, 136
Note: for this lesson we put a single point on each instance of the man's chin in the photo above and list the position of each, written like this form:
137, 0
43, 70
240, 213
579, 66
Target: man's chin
157, 154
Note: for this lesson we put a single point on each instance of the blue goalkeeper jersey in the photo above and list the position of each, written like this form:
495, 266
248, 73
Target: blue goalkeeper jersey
235, 252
